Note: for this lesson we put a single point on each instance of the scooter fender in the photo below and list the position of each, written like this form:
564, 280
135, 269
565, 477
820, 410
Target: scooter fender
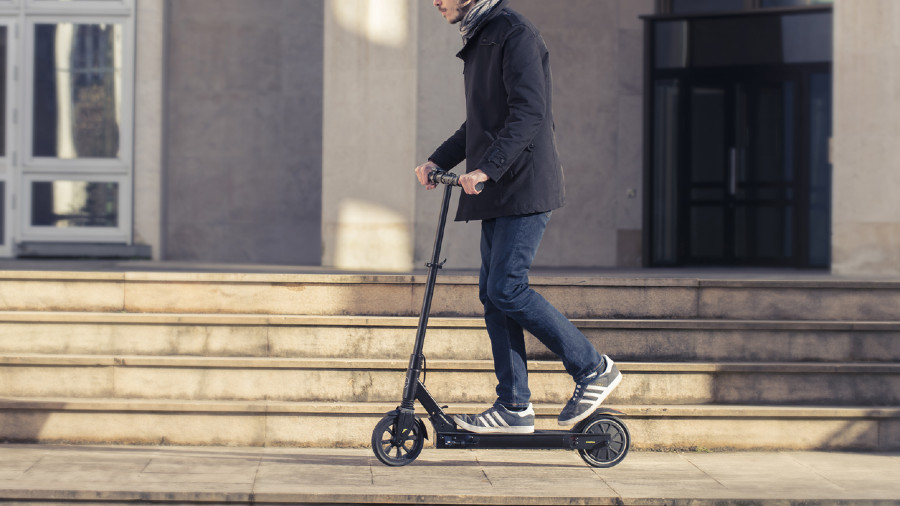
397, 413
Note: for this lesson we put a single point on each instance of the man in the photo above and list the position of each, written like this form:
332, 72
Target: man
508, 143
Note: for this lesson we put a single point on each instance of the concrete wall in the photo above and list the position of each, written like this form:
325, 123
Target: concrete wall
597, 57
866, 211
244, 131
293, 128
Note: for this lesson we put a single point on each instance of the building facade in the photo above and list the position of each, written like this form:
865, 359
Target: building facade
286, 131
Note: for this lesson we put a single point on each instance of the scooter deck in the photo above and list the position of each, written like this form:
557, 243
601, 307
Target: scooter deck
539, 439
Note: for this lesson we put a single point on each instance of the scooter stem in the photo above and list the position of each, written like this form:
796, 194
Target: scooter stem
415, 360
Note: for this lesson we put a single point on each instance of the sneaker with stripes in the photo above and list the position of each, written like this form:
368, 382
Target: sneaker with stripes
590, 393
498, 420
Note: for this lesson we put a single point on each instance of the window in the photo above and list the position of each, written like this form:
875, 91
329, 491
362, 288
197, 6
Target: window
719, 6
671, 44
792, 3
701, 6
66, 204
77, 90
7, 102
723, 41
76, 207
4, 48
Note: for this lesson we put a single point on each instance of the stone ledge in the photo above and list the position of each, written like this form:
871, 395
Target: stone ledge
182, 362
589, 280
379, 408
69, 317
331, 425
833, 283
83, 250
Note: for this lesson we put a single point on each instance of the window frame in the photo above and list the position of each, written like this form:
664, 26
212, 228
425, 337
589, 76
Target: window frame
11, 156
119, 234
10, 7
78, 7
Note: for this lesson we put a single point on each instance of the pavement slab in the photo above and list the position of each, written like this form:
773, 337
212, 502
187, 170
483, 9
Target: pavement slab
220, 475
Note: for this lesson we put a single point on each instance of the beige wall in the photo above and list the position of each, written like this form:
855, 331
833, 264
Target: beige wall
369, 133
148, 128
866, 211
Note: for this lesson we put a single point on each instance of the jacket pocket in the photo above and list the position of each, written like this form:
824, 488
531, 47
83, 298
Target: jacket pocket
484, 41
525, 161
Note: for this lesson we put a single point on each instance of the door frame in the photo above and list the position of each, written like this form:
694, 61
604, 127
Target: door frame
800, 74
679, 48
21, 169
11, 158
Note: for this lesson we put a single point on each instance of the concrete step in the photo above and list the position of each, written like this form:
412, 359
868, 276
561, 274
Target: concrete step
831, 299
275, 423
285, 336
455, 381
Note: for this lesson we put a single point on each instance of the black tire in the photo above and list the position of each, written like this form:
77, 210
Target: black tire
606, 455
393, 452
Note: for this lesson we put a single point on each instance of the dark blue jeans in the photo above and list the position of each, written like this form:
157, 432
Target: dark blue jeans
508, 246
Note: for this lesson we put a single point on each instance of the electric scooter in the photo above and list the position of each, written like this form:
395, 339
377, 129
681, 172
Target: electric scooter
602, 440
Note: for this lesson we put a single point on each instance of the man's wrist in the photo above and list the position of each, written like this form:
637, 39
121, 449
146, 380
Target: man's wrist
481, 175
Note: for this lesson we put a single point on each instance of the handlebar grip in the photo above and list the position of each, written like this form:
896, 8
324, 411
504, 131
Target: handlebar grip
442, 177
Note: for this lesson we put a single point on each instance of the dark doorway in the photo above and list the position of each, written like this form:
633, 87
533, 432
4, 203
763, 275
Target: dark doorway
738, 122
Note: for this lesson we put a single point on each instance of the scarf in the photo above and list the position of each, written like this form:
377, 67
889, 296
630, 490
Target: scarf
475, 17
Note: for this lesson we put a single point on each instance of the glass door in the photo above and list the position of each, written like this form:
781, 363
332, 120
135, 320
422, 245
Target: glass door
765, 183
740, 187
66, 100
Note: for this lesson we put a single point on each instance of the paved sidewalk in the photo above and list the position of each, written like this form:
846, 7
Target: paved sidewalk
110, 474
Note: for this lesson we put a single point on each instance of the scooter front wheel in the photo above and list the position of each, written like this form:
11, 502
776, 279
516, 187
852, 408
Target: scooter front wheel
606, 454
395, 449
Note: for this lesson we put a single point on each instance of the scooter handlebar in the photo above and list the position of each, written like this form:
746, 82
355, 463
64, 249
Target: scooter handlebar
449, 178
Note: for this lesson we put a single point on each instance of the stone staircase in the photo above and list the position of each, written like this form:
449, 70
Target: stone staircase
316, 360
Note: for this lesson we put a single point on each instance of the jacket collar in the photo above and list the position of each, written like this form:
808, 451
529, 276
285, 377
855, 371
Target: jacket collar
494, 13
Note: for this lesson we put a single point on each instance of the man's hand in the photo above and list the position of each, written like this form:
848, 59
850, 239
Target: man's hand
422, 172
468, 181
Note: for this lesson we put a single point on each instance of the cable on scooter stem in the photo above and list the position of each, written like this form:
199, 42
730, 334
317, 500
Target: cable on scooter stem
448, 178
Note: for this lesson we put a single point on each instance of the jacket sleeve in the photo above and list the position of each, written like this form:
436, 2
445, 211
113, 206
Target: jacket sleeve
525, 85
452, 151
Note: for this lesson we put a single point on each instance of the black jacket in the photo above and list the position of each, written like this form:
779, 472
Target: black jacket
508, 132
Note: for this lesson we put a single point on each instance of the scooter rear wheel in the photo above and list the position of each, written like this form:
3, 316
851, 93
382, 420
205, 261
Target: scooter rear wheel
395, 449
606, 455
